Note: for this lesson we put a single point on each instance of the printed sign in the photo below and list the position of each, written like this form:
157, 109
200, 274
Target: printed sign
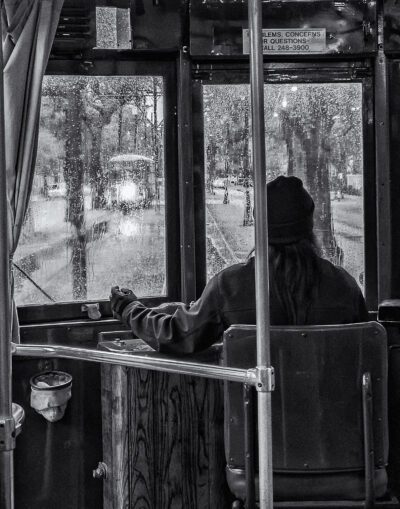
289, 40
211, 2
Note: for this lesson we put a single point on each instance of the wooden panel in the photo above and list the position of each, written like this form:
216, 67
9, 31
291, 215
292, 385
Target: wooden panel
115, 436
163, 433
140, 438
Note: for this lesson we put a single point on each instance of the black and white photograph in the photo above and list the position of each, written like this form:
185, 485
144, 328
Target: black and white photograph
199, 254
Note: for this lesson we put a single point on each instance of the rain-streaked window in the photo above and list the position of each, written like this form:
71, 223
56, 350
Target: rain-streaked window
97, 211
313, 131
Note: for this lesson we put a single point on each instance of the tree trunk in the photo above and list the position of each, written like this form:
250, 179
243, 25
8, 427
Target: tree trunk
120, 113
97, 178
314, 145
288, 130
211, 150
135, 136
290, 153
73, 176
317, 176
248, 212
156, 145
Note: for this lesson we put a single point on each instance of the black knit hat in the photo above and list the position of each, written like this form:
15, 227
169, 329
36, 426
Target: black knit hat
290, 211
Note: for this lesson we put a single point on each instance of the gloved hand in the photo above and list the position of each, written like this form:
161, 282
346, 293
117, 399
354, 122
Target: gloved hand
120, 299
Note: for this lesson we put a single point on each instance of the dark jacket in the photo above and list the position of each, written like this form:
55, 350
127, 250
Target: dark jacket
229, 298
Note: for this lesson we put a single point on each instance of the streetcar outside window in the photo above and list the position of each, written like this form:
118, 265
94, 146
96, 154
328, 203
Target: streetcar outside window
313, 131
97, 208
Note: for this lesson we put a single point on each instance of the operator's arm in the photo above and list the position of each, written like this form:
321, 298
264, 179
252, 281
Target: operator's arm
361, 311
183, 329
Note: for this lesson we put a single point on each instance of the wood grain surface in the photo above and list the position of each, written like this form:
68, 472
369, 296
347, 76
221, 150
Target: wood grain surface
162, 441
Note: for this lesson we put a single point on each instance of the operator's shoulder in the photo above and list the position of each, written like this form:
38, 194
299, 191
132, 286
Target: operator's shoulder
238, 269
239, 275
338, 276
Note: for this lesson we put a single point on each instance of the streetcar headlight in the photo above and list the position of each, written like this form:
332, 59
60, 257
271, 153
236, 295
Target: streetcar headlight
128, 192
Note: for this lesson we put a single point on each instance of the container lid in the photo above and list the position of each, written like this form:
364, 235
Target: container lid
53, 380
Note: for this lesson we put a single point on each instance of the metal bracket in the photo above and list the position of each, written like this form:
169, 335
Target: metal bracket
93, 310
101, 471
263, 378
7, 434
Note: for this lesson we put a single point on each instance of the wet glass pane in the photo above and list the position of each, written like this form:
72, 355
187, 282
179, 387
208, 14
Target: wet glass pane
97, 211
113, 28
313, 131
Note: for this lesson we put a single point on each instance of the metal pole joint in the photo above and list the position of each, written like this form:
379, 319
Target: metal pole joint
7, 434
263, 378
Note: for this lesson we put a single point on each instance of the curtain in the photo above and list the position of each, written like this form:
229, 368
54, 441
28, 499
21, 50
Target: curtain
29, 28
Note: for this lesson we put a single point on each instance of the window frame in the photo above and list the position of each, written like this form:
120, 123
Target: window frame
291, 73
111, 63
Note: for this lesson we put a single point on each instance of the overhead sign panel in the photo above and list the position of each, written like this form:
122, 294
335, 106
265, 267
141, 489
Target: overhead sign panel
289, 40
311, 27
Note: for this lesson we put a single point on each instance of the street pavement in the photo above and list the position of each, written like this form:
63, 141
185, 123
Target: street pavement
125, 250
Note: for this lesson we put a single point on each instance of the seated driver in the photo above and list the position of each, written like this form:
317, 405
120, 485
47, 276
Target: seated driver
305, 289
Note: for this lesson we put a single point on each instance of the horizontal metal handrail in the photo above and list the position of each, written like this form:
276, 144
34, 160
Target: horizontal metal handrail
152, 362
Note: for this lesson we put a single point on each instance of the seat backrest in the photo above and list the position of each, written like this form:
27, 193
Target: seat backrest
317, 416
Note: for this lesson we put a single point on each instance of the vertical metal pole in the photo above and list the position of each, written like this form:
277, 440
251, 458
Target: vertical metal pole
383, 184
261, 249
249, 443
186, 197
7, 426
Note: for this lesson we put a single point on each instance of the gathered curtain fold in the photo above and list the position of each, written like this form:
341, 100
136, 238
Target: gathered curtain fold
29, 27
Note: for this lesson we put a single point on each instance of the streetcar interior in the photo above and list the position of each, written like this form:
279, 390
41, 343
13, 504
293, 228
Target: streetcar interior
143, 177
